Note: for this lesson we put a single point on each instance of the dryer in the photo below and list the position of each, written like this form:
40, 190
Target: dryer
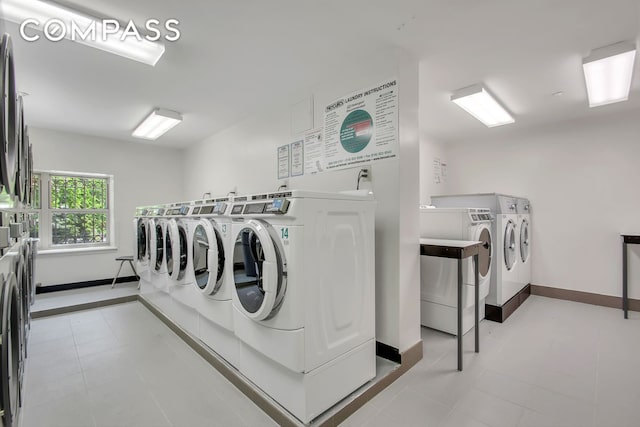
212, 267
439, 276
304, 295
524, 241
504, 273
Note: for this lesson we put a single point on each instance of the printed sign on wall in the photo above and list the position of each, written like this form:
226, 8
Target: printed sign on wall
313, 152
283, 162
297, 158
362, 127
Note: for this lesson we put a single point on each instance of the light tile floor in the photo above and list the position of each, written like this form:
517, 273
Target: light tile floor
553, 363
121, 366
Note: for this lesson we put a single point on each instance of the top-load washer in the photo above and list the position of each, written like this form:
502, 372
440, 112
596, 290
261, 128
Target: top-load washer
439, 276
504, 272
524, 241
304, 300
211, 246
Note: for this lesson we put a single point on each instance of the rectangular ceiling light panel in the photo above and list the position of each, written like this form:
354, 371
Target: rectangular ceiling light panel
77, 23
608, 72
157, 124
478, 102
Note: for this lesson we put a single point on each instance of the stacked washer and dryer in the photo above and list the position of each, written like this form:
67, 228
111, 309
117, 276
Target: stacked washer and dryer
511, 267
282, 286
17, 250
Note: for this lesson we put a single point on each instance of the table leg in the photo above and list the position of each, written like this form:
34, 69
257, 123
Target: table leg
477, 300
117, 274
459, 315
625, 297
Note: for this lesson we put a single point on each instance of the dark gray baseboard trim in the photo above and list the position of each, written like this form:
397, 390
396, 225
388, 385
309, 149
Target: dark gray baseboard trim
583, 297
85, 306
86, 284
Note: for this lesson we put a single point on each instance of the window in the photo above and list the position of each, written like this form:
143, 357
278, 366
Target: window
71, 210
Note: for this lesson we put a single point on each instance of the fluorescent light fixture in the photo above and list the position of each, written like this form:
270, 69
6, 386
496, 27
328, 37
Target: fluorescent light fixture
608, 72
75, 23
157, 124
478, 102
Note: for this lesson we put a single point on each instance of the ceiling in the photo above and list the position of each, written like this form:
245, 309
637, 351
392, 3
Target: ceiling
236, 58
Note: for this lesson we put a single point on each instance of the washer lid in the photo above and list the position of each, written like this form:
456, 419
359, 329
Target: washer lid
260, 278
525, 248
8, 118
208, 257
510, 245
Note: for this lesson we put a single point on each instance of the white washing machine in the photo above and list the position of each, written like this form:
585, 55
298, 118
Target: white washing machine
524, 241
141, 245
504, 271
157, 291
212, 267
304, 300
183, 297
439, 276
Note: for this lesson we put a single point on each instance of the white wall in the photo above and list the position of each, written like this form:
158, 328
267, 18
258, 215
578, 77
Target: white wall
582, 179
243, 158
143, 175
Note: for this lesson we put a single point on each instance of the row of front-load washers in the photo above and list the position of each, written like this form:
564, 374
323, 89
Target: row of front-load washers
16, 157
17, 289
17, 250
280, 285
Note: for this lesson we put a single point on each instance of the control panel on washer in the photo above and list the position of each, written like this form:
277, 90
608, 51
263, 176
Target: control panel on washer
277, 206
480, 215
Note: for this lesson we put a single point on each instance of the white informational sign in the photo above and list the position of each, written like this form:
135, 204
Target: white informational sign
283, 162
313, 152
297, 158
437, 172
362, 127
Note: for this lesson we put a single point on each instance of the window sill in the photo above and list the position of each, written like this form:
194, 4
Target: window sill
71, 251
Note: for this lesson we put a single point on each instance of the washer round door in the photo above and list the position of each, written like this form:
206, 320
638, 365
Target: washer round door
208, 257
510, 245
525, 248
143, 239
21, 173
259, 270
168, 250
157, 244
8, 118
483, 234
10, 357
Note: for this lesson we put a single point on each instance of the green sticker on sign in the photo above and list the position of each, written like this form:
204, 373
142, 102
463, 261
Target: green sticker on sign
356, 131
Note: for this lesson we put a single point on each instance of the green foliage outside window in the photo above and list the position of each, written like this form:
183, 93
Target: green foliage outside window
78, 193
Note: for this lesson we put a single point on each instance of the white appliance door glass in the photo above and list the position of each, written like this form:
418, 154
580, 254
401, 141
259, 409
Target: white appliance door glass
524, 240
510, 245
208, 258
159, 247
182, 251
142, 240
484, 255
258, 274
168, 248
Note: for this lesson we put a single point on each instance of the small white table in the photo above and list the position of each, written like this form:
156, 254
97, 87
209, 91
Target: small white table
458, 249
